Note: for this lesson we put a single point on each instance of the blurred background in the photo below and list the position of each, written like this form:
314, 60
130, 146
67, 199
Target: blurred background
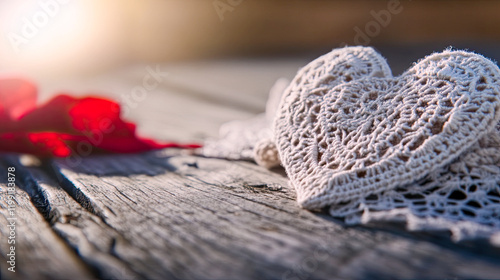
54, 39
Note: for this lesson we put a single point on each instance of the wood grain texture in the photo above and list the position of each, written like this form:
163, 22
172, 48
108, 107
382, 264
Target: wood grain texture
83, 231
39, 252
190, 217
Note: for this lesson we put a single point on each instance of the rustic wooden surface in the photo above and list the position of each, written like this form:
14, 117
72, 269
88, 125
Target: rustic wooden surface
174, 215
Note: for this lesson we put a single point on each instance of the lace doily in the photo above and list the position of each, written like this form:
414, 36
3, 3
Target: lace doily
401, 148
463, 197
420, 148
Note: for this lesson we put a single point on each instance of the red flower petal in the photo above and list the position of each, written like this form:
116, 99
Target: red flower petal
47, 143
66, 125
17, 97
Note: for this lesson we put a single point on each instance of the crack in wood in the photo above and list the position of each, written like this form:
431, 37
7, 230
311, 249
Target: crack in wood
71, 189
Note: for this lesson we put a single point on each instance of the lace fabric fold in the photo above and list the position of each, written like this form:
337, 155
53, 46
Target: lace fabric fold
238, 139
463, 197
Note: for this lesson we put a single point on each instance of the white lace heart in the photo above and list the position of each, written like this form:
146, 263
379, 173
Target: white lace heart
253, 139
334, 68
364, 136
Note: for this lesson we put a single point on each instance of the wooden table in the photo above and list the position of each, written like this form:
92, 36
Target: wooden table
170, 214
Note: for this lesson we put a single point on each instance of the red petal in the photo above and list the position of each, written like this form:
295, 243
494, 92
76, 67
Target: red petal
49, 143
67, 125
17, 97
44, 144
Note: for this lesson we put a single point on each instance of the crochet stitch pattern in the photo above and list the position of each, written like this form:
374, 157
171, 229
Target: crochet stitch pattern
366, 136
463, 197
253, 139
329, 70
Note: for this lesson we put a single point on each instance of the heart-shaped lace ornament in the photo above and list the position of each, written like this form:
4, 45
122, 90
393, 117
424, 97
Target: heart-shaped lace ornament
253, 139
334, 68
365, 136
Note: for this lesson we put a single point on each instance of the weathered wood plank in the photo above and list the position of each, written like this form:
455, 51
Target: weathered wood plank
191, 217
39, 252
74, 223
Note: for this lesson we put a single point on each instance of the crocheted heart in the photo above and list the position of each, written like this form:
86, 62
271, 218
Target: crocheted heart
366, 136
252, 139
334, 68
